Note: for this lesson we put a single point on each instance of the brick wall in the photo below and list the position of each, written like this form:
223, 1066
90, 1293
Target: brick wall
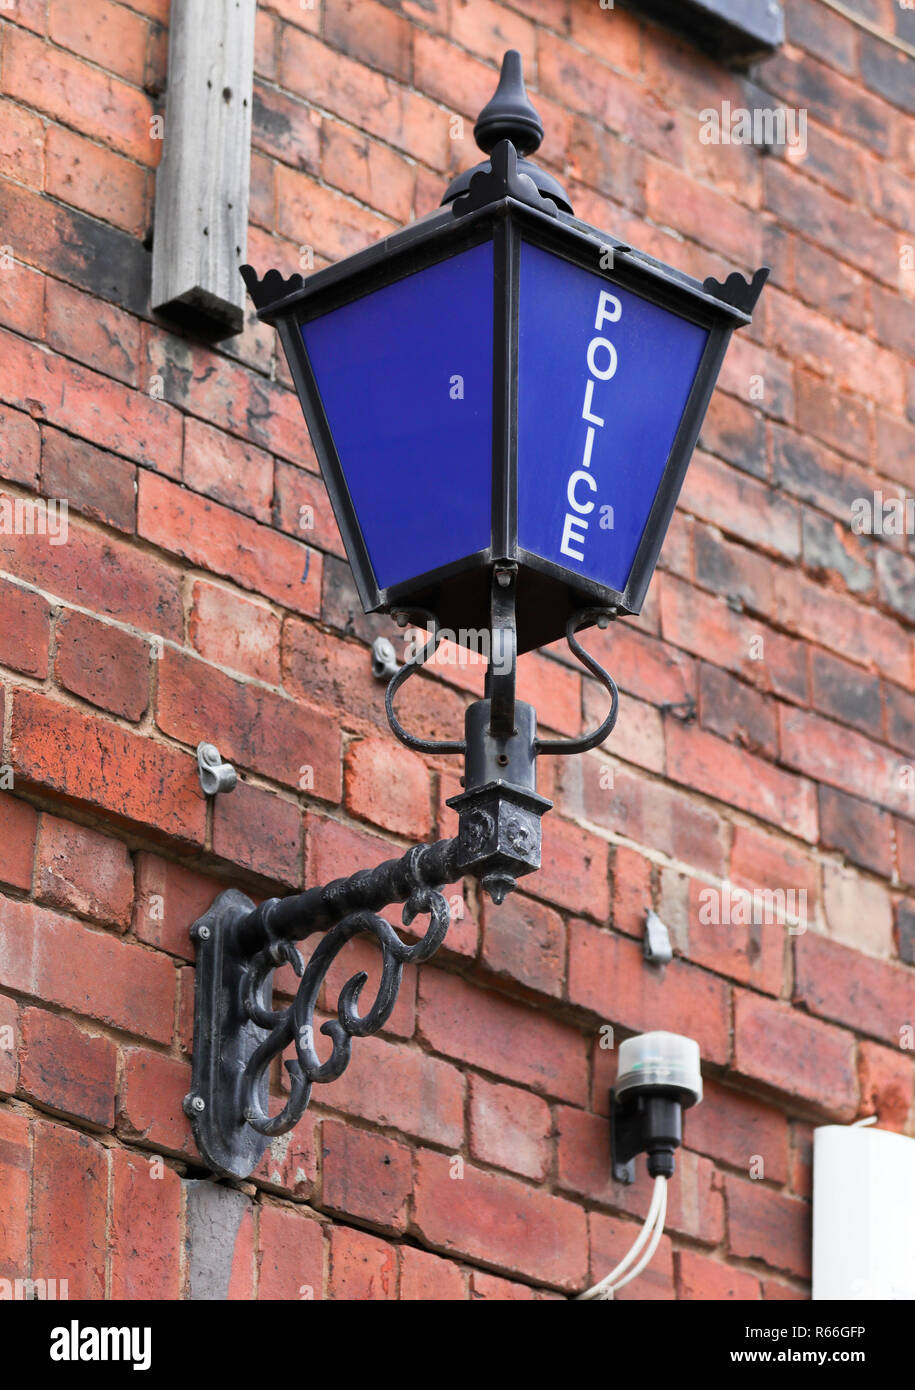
188, 603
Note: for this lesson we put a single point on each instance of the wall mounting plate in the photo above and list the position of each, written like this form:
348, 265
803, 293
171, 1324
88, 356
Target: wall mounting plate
224, 1041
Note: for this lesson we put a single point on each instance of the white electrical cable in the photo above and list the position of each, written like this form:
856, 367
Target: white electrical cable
653, 1243
651, 1231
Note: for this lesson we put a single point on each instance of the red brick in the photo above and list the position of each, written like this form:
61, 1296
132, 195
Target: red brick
858, 911
150, 1101
739, 1130
103, 976
302, 508
753, 951
101, 572
574, 872
82, 871
389, 786
169, 899
229, 629
761, 860
84, 402
19, 826
708, 764
97, 181
524, 940
290, 1255
21, 145
16, 1171
836, 982
103, 664
100, 485
886, 1083
366, 169
366, 1176
24, 630
699, 1277
9, 1034
785, 1049
329, 223
610, 1239
765, 1225
70, 1197
361, 1266
79, 94
490, 1288
738, 713
835, 621
510, 1128
842, 758
257, 729
21, 444
236, 547
649, 812
501, 1036
742, 507
500, 1221
228, 469
65, 751
145, 1215
421, 1096
607, 975
905, 849
772, 1289
257, 830
426, 1278
98, 334
632, 890
367, 99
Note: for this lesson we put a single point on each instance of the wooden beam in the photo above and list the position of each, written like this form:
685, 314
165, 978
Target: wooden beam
201, 220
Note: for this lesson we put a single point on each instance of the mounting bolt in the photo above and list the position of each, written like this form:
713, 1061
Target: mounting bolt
215, 775
203, 933
195, 1103
384, 659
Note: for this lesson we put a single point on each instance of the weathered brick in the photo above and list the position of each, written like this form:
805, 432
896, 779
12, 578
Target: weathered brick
739, 936
99, 485
257, 728
501, 1036
607, 975
739, 1130
500, 1221
366, 1176
80, 870
229, 629
258, 830
842, 758
64, 751
525, 940
103, 664
228, 469
389, 785
24, 630
765, 1225
800, 1056
427, 1278
699, 1277
19, 823
15, 1196
509, 1128
886, 1079
290, 1255
169, 899
361, 1266
145, 1216
150, 1101
230, 545
839, 983
98, 334
422, 1096
9, 1037
69, 1202
102, 976
858, 828
20, 444
97, 180
858, 911
737, 712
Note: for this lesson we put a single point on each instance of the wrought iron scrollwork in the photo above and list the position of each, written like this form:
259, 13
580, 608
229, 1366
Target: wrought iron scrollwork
295, 1025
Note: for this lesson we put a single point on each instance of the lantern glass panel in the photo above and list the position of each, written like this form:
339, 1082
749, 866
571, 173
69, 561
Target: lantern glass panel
603, 380
405, 376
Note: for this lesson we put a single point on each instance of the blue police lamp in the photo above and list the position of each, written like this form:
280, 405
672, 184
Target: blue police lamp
503, 401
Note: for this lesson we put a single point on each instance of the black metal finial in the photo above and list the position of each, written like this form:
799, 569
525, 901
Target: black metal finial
509, 115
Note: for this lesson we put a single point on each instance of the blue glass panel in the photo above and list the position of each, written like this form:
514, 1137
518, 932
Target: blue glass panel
405, 376
604, 377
